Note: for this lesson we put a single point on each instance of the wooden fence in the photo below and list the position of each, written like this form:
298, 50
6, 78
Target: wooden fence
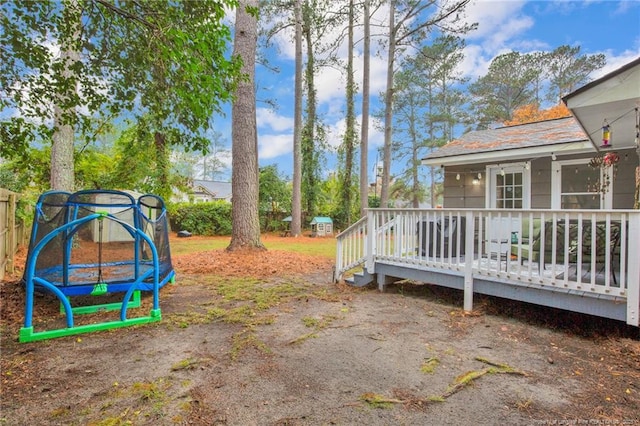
12, 231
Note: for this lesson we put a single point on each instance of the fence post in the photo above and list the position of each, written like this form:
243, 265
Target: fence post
12, 241
468, 261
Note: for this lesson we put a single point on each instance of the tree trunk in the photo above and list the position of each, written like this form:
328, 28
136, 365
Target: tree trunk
296, 198
388, 109
62, 171
245, 234
415, 161
309, 154
162, 163
364, 139
349, 137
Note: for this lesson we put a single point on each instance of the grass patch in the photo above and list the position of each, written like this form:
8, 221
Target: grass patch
316, 324
429, 365
247, 339
303, 338
151, 391
322, 247
186, 364
196, 245
462, 381
310, 322
375, 400
468, 378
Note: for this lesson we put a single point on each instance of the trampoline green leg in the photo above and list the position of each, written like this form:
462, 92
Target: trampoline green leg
28, 335
105, 307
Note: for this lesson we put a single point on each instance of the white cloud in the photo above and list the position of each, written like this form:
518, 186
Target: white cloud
330, 85
499, 25
335, 132
267, 118
616, 61
497, 20
274, 145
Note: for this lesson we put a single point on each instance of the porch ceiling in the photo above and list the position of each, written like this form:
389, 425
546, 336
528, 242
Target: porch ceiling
615, 98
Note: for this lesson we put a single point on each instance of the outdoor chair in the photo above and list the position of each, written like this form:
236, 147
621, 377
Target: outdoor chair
600, 251
529, 244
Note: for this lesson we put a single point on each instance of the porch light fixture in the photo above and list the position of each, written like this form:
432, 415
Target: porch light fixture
526, 165
479, 175
502, 172
553, 156
475, 181
458, 176
606, 135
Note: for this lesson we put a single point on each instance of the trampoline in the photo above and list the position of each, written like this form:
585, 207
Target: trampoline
95, 243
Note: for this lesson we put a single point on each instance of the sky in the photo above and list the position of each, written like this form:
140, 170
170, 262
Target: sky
609, 27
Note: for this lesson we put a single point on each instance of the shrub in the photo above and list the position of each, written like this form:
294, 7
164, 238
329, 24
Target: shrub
210, 218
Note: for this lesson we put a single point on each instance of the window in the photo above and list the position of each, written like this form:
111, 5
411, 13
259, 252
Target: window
570, 186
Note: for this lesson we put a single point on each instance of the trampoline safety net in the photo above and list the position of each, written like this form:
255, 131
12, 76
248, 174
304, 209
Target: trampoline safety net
104, 250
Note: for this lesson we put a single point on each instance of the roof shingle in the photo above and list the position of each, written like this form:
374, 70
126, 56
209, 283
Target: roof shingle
549, 132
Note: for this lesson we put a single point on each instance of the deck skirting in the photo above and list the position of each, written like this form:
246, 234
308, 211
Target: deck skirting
605, 306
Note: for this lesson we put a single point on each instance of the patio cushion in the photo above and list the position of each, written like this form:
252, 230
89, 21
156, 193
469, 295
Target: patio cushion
525, 238
530, 248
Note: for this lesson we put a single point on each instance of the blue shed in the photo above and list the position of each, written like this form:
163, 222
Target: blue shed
321, 226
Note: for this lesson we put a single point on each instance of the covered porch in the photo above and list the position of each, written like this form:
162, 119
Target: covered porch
583, 261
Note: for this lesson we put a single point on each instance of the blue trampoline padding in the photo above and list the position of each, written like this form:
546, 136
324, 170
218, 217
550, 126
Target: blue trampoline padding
84, 281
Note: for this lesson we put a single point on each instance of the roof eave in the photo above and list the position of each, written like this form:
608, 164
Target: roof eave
528, 154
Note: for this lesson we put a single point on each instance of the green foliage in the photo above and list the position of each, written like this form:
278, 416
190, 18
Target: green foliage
211, 218
506, 87
330, 204
94, 170
515, 80
569, 70
166, 63
28, 172
156, 174
274, 192
274, 198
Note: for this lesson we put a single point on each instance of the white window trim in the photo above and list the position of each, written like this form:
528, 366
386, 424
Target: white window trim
556, 183
492, 171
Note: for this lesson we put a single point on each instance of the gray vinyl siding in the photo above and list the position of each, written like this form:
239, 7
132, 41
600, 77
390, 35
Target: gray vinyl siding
624, 182
541, 183
463, 194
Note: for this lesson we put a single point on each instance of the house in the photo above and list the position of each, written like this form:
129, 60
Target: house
538, 212
206, 190
537, 165
321, 226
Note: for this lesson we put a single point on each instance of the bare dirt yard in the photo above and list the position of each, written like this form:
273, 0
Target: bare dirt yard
268, 339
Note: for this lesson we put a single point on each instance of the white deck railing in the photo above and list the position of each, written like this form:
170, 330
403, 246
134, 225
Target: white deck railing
582, 250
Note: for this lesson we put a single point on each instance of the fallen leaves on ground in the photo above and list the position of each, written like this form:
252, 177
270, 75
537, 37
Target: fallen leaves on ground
257, 264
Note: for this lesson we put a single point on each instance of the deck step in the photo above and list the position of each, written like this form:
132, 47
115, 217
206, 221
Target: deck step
360, 279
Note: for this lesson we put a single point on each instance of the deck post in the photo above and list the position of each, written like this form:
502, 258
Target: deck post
468, 262
371, 232
633, 280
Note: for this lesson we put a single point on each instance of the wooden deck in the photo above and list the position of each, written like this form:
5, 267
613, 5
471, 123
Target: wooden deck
479, 251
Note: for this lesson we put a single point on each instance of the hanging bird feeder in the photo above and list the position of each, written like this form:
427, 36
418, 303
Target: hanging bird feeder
606, 135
